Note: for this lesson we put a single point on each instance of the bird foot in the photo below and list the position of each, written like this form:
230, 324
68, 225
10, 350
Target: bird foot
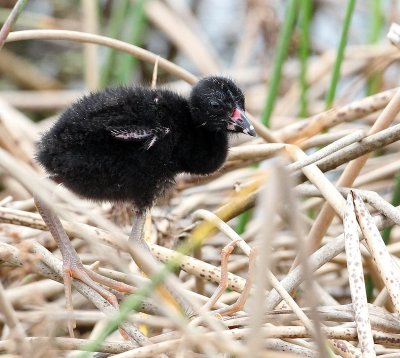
240, 302
73, 267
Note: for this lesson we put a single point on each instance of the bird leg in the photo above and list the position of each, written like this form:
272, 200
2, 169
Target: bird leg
238, 305
73, 267
136, 236
145, 256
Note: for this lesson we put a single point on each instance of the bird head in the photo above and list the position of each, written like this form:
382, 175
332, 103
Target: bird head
218, 104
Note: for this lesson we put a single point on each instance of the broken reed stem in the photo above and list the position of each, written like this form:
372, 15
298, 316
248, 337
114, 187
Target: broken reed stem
388, 269
330, 157
350, 173
51, 267
356, 279
164, 254
70, 344
316, 260
328, 150
367, 145
297, 227
67, 344
315, 176
371, 197
231, 209
381, 319
306, 128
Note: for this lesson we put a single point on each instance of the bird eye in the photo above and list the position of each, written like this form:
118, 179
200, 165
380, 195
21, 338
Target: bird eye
214, 104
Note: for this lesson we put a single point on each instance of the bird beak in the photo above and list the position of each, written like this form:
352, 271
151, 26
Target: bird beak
238, 122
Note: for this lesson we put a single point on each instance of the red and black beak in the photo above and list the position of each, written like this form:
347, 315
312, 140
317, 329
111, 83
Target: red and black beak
238, 122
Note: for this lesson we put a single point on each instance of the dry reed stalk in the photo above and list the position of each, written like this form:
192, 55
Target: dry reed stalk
351, 172
91, 63
136, 51
317, 291
356, 278
325, 120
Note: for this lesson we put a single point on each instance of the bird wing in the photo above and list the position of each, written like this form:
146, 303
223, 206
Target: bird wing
139, 133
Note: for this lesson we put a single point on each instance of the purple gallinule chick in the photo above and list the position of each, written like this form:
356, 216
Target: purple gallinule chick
128, 144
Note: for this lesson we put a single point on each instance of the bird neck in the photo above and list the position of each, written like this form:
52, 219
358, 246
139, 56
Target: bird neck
204, 151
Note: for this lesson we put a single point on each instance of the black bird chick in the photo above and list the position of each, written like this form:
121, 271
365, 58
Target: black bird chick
128, 144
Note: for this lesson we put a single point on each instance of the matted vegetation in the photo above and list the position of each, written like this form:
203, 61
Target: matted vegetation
307, 210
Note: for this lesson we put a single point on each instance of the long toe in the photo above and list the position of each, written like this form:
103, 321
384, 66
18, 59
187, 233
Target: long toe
74, 269
93, 280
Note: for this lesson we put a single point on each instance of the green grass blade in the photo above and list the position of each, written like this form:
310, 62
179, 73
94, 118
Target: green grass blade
330, 97
137, 19
115, 28
377, 22
243, 220
282, 50
130, 304
304, 53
